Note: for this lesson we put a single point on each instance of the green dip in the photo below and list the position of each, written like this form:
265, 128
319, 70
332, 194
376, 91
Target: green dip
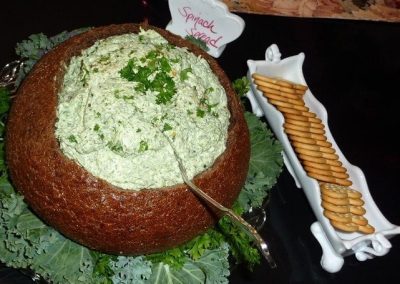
123, 94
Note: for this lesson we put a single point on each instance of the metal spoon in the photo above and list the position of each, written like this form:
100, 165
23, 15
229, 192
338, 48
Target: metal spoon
252, 232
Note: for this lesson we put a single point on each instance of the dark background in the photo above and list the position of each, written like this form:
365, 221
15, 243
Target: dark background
352, 68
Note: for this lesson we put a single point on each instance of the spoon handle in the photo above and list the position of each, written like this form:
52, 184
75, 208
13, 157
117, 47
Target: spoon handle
251, 231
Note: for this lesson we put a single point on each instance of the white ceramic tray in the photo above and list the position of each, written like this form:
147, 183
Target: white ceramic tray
335, 244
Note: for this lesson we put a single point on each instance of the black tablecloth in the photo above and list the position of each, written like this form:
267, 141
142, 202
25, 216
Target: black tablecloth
352, 68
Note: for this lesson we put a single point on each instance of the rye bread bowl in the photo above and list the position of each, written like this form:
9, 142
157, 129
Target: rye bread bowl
89, 210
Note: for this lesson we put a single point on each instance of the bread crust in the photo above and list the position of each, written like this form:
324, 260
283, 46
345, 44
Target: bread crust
90, 210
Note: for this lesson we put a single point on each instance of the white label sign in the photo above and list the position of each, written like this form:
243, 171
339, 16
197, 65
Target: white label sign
207, 20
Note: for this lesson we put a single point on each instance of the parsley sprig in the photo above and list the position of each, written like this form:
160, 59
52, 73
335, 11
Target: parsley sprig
155, 63
205, 106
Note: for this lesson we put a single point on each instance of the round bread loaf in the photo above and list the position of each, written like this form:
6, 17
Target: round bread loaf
90, 210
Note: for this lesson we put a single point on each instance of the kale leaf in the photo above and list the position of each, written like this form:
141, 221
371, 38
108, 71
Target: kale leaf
33, 48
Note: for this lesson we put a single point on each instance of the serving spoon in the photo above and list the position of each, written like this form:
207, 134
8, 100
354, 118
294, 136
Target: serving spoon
251, 231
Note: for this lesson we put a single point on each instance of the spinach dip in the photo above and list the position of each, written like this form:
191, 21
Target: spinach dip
123, 96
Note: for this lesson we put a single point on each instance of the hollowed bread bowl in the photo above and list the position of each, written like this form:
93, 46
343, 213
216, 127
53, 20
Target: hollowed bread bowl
90, 210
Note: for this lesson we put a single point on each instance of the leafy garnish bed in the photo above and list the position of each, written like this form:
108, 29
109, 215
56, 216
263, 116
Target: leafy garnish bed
26, 242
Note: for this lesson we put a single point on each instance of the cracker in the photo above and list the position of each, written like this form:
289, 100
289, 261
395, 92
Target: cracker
324, 167
318, 154
335, 201
267, 91
297, 112
352, 227
346, 218
330, 179
279, 82
339, 217
303, 128
367, 229
277, 87
292, 101
260, 77
336, 163
327, 173
334, 193
286, 104
294, 132
351, 193
359, 220
300, 117
313, 147
346, 227
358, 210
335, 208
309, 141
356, 201
305, 123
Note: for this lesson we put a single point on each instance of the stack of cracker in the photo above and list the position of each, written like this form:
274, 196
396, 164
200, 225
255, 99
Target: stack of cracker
342, 205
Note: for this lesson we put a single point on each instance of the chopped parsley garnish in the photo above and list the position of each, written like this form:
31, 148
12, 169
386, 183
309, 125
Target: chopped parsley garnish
208, 90
204, 102
126, 98
200, 112
206, 106
165, 87
72, 138
164, 116
167, 127
96, 127
153, 54
167, 46
116, 94
127, 71
104, 59
115, 147
164, 65
215, 114
184, 73
143, 146
157, 64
